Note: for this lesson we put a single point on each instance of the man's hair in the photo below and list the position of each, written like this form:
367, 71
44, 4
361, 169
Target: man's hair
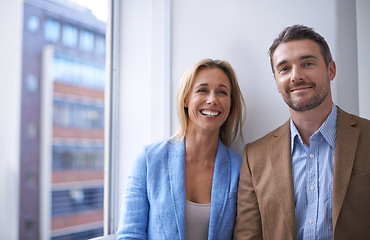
301, 32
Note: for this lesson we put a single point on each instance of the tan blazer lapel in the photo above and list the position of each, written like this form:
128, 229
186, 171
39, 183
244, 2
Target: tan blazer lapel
345, 150
282, 172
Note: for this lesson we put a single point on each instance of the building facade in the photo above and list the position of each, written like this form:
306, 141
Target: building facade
62, 126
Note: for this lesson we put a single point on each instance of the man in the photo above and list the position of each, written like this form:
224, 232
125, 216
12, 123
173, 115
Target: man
309, 178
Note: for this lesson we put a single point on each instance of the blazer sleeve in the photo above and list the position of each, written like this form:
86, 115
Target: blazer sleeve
135, 205
248, 219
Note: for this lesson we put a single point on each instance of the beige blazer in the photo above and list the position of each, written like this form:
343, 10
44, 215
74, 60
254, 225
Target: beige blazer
265, 197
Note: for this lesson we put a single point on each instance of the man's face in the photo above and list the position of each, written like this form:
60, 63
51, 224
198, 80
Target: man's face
301, 75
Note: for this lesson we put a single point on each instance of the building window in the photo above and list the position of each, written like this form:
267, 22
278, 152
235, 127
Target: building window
78, 71
70, 36
100, 45
69, 113
32, 83
52, 30
76, 200
32, 130
33, 24
78, 157
86, 41
80, 235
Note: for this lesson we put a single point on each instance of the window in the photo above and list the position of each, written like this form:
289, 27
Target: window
74, 157
77, 70
77, 114
76, 200
52, 30
70, 36
80, 235
100, 44
33, 23
32, 83
87, 41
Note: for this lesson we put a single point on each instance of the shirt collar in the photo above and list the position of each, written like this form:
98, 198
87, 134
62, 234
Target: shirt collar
327, 129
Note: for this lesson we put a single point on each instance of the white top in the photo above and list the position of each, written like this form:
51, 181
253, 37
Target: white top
197, 220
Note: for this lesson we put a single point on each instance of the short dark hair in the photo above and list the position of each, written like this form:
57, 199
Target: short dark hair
301, 32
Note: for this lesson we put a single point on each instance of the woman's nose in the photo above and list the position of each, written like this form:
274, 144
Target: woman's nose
211, 99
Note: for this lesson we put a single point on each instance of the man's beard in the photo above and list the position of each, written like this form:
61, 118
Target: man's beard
318, 97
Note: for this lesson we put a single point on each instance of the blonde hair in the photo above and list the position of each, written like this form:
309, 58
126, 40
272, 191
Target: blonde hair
234, 122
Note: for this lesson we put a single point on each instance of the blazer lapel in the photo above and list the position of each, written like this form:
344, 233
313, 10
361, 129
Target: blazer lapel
176, 172
220, 189
345, 149
280, 154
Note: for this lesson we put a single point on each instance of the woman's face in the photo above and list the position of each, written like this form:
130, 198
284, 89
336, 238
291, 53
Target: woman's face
209, 100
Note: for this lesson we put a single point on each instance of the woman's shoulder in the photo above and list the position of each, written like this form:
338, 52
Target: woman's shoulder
162, 145
161, 148
234, 157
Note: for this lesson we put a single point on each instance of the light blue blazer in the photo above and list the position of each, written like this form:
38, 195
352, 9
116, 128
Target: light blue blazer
154, 201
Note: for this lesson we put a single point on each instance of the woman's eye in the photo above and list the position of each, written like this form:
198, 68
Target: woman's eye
201, 90
223, 92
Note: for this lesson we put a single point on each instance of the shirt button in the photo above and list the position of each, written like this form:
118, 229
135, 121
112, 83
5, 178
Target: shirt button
312, 156
310, 221
312, 188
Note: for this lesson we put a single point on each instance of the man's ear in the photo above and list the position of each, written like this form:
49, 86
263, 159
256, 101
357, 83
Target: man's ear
332, 70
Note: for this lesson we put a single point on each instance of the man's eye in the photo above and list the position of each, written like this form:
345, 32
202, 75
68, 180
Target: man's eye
284, 69
309, 64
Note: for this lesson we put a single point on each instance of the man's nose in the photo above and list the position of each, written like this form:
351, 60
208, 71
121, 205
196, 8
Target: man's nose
297, 74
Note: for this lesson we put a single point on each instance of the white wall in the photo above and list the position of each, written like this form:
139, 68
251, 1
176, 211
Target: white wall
346, 56
10, 72
363, 36
160, 39
238, 31
241, 32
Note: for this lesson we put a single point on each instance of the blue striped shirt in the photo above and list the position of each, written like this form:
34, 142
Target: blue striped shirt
313, 179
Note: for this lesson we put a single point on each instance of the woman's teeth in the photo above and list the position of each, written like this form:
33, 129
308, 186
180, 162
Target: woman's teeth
210, 113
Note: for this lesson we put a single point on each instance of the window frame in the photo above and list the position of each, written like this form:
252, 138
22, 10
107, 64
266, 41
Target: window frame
111, 136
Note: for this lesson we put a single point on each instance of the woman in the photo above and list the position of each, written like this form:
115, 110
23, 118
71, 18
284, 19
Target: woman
186, 187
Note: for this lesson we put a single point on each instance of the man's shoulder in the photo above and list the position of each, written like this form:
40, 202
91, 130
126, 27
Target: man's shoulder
353, 120
281, 130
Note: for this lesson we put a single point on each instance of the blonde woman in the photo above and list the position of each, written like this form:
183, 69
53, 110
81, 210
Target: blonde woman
186, 187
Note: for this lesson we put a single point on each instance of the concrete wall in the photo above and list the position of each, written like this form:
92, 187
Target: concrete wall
10, 102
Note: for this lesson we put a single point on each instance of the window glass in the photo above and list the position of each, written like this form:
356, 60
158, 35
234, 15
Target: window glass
80, 71
62, 121
70, 36
33, 23
100, 44
52, 30
87, 41
32, 83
